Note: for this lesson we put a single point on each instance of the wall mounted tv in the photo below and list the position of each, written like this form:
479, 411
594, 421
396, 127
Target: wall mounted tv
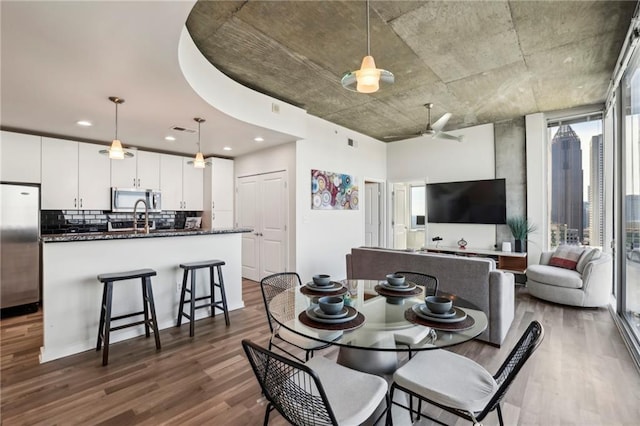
477, 201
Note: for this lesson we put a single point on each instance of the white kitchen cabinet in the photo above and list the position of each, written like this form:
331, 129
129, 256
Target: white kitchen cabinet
192, 186
123, 172
171, 181
74, 176
219, 194
222, 184
59, 190
20, 157
181, 184
94, 173
148, 170
142, 171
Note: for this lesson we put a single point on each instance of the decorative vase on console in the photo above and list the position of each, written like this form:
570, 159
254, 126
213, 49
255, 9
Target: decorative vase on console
520, 229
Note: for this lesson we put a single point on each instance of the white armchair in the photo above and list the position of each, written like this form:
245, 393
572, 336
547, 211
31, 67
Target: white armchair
589, 285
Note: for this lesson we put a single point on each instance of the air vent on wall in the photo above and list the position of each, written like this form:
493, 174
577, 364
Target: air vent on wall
182, 129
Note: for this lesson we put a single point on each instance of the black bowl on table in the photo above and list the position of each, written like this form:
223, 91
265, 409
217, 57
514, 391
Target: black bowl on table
322, 280
438, 304
331, 305
396, 279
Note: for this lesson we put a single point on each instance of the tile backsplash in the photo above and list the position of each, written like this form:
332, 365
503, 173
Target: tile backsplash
68, 221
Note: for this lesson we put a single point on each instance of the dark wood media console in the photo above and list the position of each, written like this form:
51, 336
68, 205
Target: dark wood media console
505, 260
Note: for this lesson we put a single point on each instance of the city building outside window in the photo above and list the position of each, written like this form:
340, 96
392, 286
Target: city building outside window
576, 190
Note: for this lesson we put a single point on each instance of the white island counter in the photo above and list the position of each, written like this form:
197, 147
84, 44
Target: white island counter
71, 293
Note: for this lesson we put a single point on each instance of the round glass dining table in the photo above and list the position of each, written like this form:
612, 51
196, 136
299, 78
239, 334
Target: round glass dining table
384, 324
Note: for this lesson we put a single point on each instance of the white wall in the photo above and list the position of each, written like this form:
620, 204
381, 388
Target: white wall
537, 185
231, 97
431, 160
72, 294
281, 157
324, 237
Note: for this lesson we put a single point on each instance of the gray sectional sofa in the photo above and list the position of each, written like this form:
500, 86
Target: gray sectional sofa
475, 279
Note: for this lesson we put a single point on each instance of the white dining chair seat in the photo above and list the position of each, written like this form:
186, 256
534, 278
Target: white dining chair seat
454, 381
353, 395
412, 335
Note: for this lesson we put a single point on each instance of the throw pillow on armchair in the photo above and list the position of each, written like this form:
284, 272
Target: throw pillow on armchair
566, 257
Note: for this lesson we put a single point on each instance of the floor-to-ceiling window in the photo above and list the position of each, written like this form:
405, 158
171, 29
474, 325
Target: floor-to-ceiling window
630, 196
576, 155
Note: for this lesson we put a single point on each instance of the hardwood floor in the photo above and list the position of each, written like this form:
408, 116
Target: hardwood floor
582, 373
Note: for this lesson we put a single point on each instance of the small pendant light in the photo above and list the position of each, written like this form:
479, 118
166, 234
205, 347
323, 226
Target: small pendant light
198, 162
368, 78
115, 151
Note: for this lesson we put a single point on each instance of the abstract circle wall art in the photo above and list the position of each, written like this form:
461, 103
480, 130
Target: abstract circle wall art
333, 191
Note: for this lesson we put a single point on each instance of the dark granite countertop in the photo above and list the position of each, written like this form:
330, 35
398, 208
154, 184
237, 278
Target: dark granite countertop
122, 235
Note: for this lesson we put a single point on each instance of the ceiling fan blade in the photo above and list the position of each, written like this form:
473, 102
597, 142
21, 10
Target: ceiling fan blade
442, 135
442, 121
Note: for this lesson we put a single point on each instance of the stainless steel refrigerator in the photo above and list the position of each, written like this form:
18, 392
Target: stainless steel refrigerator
20, 245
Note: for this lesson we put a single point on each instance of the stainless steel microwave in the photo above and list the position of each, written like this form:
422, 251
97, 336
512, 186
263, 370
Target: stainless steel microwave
124, 199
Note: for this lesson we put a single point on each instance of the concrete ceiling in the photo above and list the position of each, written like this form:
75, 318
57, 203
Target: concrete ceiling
61, 60
482, 61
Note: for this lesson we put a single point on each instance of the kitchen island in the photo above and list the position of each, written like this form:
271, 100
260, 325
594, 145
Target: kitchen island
71, 293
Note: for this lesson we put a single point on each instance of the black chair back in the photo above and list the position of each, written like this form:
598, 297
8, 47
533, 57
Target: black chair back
275, 284
528, 343
429, 282
291, 387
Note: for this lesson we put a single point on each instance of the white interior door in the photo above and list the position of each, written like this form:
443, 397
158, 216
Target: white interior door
263, 206
274, 219
372, 215
247, 213
400, 216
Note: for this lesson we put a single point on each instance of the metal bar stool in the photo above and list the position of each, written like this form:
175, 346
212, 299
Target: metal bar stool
105, 328
220, 304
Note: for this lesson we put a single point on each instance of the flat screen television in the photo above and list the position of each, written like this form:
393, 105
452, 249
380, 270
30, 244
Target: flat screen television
477, 201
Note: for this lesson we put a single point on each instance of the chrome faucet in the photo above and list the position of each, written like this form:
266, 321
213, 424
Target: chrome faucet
146, 216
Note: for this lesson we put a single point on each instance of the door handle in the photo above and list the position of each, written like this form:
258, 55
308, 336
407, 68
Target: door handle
138, 182
134, 182
75, 202
80, 202
256, 234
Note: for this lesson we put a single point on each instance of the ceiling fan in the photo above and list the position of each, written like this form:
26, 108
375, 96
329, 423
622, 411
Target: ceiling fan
435, 129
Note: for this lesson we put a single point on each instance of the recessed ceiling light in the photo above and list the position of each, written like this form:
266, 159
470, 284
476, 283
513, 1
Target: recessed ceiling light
258, 139
84, 123
169, 138
227, 148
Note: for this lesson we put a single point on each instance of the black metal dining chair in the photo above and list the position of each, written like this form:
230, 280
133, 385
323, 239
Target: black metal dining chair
429, 282
459, 385
272, 286
319, 392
